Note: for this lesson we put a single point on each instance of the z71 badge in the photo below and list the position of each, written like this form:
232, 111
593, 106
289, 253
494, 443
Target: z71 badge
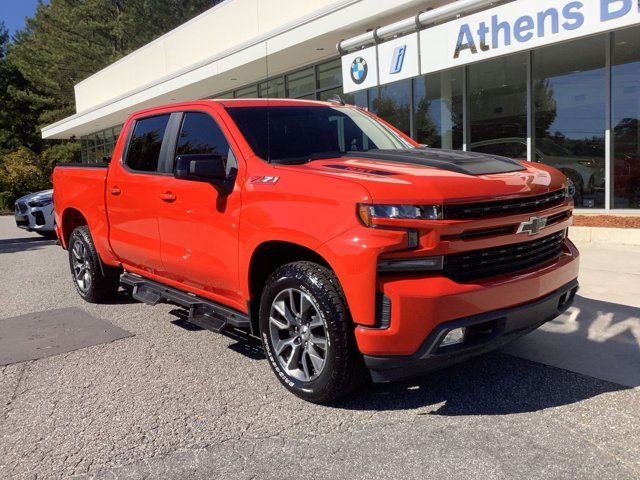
264, 179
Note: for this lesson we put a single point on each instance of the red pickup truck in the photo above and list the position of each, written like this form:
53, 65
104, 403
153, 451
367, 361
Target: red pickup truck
351, 251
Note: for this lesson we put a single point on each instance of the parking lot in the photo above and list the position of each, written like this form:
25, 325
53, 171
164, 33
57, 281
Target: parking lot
161, 399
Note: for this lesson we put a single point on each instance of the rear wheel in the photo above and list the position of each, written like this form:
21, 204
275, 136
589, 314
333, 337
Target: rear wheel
307, 333
84, 262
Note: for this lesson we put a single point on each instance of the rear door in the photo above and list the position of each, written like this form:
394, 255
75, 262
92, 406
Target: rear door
133, 186
199, 225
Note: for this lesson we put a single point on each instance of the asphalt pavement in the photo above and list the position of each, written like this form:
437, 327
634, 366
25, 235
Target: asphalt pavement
161, 399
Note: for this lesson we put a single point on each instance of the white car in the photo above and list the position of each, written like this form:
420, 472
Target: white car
34, 213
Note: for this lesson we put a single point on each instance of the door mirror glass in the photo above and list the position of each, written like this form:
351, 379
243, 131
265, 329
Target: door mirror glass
203, 167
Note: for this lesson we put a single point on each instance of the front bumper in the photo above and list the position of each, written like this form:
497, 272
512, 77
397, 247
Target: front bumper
488, 331
35, 219
421, 303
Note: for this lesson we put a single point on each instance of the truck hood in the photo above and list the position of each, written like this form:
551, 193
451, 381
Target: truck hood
427, 176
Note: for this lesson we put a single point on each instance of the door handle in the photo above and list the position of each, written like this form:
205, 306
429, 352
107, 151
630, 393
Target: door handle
168, 197
115, 191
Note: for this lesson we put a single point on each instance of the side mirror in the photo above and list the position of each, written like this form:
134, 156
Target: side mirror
202, 167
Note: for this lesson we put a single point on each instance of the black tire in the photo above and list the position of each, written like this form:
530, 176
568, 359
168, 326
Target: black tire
97, 287
343, 368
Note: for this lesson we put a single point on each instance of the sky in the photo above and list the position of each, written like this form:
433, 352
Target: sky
13, 12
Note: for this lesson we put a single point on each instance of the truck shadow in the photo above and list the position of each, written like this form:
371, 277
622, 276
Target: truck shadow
14, 245
492, 384
245, 344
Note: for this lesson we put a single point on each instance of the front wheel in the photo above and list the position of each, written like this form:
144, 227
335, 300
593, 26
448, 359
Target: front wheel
92, 285
307, 333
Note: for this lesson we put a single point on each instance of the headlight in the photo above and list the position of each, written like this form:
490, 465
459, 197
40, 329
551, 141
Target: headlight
41, 203
369, 213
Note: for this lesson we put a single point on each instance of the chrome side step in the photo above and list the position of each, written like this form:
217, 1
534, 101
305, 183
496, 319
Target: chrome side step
203, 313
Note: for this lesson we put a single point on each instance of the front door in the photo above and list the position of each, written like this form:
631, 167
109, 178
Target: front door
199, 221
132, 199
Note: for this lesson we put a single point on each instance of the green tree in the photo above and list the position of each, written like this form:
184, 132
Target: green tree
65, 42
18, 119
68, 40
20, 173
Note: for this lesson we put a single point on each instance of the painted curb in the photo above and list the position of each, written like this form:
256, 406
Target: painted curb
619, 236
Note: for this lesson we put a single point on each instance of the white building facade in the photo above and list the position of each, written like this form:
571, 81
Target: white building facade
551, 81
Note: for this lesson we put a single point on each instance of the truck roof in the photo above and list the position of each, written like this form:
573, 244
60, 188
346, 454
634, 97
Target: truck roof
272, 102
238, 102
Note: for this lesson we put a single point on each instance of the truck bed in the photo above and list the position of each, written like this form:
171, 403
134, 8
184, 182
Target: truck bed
82, 187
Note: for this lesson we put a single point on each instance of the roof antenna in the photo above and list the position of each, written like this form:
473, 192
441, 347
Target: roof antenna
337, 99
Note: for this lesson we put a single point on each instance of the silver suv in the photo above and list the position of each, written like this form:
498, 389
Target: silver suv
34, 213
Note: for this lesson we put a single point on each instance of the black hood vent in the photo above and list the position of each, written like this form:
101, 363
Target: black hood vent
467, 163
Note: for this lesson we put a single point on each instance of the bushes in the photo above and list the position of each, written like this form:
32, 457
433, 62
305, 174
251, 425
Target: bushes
21, 172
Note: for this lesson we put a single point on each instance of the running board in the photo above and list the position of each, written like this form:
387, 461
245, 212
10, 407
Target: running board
203, 313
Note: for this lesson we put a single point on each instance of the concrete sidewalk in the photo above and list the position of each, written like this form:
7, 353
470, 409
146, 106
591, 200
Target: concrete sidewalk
600, 335
605, 236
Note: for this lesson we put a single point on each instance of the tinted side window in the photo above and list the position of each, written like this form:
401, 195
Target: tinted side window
200, 134
144, 148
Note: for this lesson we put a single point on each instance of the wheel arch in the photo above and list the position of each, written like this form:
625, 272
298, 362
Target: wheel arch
265, 259
71, 219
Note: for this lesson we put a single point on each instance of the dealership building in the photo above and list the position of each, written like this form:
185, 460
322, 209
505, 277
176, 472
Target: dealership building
551, 81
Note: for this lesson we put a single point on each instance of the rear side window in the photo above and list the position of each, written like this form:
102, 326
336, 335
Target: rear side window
201, 134
143, 153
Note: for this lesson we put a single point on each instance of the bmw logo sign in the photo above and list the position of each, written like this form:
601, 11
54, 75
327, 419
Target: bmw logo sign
359, 70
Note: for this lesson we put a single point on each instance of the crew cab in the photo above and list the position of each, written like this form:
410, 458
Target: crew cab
351, 251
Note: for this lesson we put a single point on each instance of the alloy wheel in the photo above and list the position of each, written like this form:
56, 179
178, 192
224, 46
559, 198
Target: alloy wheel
80, 263
298, 335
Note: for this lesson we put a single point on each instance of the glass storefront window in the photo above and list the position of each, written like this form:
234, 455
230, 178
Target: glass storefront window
94, 147
247, 92
301, 84
570, 84
626, 118
498, 106
357, 98
83, 149
437, 100
91, 149
331, 93
273, 88
393, 103
330, 75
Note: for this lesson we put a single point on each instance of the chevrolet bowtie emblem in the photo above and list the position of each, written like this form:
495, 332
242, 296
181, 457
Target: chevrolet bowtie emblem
533, 226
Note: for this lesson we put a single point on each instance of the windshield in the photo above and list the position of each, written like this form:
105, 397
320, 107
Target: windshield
301, 134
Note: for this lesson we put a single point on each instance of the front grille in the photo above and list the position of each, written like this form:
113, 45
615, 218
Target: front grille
492, 262
21, 207
506, 230
504, 207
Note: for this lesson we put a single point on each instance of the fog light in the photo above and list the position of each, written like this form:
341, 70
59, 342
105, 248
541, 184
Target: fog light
454, 337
